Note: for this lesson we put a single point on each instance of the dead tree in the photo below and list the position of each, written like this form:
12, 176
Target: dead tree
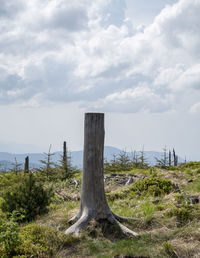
175, 158
170, 158
65, 160
66, 163
93, 201
26, 165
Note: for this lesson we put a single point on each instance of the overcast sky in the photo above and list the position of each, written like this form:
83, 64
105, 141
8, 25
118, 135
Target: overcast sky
136, 60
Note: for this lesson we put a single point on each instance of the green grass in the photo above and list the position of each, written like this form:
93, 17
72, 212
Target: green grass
127, 247
168, 227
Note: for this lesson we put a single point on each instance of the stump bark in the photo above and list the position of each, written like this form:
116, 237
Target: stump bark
93, 200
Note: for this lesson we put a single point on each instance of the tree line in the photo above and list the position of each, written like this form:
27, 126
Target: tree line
126, 162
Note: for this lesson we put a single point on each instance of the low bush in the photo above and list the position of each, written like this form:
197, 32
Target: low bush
192, 165
29, 198
183, 214
152, 186
42, 241
9, 236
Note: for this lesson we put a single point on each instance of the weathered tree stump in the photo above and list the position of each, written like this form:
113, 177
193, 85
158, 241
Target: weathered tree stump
93, 201
26, 165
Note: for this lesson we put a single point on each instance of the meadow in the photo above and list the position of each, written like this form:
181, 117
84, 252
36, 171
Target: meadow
165, 202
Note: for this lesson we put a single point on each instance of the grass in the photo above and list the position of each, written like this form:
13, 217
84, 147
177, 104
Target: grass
169, 225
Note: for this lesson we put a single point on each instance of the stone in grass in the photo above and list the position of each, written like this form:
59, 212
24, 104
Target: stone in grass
194, 199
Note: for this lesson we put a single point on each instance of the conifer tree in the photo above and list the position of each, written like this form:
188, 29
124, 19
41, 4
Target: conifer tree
142, 160
29, 197
164, 162
47, 169
16, 166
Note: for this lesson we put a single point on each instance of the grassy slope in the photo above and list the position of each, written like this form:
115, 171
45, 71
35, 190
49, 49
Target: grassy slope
169, 226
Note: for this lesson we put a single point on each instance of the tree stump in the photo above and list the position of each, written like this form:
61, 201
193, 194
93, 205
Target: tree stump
93, 200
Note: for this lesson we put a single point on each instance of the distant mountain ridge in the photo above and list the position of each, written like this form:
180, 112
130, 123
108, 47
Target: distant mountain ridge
7, 159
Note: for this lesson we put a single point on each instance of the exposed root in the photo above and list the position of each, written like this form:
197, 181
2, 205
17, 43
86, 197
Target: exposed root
126, 230
74, 218
84, 220
80, 224
120, 218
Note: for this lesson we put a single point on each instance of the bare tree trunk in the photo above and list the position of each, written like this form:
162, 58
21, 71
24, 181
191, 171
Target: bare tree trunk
26, 165
65, 161
93, 200
170, 158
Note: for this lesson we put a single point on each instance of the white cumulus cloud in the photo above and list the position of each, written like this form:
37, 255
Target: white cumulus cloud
90, 52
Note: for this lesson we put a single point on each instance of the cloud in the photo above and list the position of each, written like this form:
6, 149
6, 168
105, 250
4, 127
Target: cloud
61, 51
64, 15
195, 108
134, 100
10, 9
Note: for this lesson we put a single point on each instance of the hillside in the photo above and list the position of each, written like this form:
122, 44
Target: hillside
166, 202
6, 159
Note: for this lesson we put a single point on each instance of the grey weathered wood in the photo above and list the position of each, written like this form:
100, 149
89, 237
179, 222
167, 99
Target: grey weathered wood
26, 165
93, 201
93, 196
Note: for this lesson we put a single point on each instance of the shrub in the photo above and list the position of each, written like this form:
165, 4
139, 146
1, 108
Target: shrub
182, 214
42, 241
192, 165
144, 187
28, 198
9, 236
152, 186
1, 203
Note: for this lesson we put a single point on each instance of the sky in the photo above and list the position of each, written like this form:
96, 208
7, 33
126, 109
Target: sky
137, 61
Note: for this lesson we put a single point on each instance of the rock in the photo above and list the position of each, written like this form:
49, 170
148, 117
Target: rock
156, 201
193, 199
75, 182
107, 178
122, 182
130, 181
141, 176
